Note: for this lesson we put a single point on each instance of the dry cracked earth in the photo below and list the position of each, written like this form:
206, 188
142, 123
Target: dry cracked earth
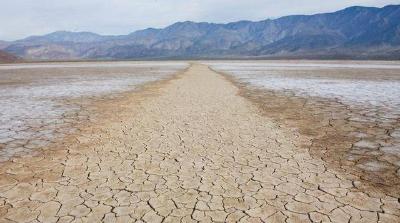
186, 150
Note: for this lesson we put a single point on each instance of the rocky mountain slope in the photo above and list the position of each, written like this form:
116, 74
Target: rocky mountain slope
355, 32
7, 58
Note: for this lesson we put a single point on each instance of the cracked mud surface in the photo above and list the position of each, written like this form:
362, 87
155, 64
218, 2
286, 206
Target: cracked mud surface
41, 103
186, 150
350, 111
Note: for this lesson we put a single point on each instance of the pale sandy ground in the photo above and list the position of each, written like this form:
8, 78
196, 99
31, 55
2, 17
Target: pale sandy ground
186, 150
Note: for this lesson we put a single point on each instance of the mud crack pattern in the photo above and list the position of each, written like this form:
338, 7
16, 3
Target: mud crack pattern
194, 152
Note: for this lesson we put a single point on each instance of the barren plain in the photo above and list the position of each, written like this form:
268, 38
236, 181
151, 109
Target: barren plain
204, 146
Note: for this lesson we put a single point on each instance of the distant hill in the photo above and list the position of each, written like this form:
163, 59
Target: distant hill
4, 44
7, 58
355, 32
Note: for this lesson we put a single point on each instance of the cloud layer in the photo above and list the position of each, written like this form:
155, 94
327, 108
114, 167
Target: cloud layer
21, 18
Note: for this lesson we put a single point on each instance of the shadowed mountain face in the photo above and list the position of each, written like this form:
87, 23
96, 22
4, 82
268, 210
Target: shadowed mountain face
355, 32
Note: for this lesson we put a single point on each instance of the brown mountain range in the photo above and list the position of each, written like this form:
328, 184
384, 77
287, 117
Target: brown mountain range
7, 57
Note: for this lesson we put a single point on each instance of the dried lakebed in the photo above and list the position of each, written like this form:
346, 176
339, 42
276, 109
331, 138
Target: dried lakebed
350, 111
42, 103
187, 149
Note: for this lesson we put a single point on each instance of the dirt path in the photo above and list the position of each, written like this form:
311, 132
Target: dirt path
195, 152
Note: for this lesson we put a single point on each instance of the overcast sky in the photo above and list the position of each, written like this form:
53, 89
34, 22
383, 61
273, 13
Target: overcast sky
21, 18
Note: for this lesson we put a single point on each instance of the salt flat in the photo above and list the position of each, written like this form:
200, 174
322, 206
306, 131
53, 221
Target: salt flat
194, 147
40, 102
351, 109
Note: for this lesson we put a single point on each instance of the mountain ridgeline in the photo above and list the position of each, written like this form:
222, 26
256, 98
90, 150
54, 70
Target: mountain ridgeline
355, 32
